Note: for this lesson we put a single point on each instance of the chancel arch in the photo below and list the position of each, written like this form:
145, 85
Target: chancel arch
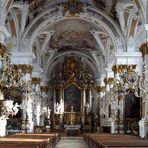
95, 67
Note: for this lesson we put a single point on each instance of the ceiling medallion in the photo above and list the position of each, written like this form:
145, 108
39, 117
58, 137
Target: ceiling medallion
73, 7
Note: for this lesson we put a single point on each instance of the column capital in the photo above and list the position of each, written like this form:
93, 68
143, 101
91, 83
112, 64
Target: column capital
26, 68
36, 80
2, 49
44, 89
144, 49
115, 69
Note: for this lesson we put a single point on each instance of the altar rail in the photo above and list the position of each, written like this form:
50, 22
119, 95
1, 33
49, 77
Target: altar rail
30, 140
114, 141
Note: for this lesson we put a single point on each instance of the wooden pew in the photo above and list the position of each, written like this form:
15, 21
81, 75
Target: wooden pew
53, 138
114, 141
17, 142
24, 140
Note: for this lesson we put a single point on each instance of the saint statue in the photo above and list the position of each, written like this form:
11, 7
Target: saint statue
48, 112
87, 108
57, 108
71, 108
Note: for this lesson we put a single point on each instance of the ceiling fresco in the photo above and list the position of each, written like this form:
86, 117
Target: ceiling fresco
72, 39
73, 33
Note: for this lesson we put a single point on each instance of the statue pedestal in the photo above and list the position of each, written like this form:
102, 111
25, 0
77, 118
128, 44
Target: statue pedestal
113, 127
3, 127
143, 128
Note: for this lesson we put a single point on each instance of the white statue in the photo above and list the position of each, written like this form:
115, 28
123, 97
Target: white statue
87, 108
48, 112
29, 110
16, 108
38, 113
71, 108
57, 108
37, 88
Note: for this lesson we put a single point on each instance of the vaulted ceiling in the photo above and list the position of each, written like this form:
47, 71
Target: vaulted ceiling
88, 29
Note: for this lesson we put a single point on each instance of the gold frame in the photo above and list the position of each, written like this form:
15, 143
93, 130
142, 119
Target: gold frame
81, 101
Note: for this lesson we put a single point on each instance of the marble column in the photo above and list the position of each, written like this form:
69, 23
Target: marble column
54, 99
101, 85
143, 128
83, 103
61, 101
121, 116
24, 114
90, 100
27, 70
45, 107
115, 125
61, 110
84, 99
37, 101
3, 124
3, 119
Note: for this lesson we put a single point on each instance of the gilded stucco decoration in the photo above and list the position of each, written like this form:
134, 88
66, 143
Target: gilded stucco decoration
73, 72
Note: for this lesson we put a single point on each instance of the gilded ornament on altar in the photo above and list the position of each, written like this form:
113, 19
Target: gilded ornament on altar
72, 72
72, 118
71, 67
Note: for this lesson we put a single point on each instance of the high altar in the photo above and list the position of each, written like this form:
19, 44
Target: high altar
72, 96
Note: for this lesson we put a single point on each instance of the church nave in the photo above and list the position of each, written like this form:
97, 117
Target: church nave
72, 142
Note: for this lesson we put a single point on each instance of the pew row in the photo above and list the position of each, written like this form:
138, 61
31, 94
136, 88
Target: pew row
114, 141
30, 140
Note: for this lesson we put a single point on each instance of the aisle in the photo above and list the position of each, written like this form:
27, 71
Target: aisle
72, 142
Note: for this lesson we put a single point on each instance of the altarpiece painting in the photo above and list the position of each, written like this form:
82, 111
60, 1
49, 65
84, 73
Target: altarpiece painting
132, 106
72, 98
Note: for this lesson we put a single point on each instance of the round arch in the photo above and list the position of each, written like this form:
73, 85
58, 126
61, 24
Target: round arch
51, 64
95, 16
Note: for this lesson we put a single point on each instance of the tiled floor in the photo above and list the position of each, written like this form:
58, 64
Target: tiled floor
72, 142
